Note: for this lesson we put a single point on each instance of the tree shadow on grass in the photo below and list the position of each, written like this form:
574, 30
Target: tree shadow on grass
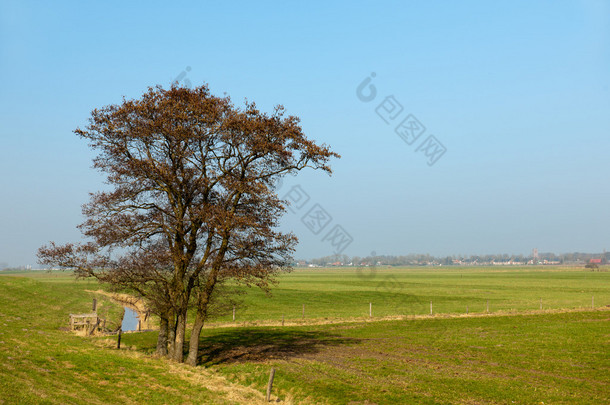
249, 345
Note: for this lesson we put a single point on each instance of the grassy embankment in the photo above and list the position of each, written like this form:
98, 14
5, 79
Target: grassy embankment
41, 363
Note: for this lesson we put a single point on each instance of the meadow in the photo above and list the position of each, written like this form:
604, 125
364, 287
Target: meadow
337, 354
340, 293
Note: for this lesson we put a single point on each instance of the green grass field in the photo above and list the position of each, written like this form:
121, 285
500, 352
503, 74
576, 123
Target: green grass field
345, 293
525, 356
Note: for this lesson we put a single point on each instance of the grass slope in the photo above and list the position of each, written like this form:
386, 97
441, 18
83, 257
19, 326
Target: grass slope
39, 363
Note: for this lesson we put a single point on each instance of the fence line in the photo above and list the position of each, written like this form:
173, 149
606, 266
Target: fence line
486, 310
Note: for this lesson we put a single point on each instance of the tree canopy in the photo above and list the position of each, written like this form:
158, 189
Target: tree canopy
191, 202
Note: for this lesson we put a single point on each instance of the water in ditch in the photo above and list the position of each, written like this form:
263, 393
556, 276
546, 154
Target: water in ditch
130, 320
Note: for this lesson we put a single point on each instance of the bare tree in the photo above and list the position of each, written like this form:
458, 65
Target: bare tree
191, 203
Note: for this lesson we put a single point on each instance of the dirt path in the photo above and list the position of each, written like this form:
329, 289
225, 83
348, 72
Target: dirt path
212, 381
232, 391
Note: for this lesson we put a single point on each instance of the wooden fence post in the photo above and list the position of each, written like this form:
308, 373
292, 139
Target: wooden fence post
430, 307
94, 305
370, 309
233, 313
282, 319
487, 306
92, 331
541, 304
118, 342
270, 384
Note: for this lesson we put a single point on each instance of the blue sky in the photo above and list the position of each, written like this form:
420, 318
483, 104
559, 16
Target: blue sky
517, 92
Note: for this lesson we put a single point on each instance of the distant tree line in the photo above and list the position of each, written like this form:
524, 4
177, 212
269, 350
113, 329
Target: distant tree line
426, 259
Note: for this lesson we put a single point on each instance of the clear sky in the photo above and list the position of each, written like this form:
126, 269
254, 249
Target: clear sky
516, 92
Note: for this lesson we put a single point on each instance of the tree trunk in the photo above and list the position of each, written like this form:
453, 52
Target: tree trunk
202, 312
162, 339
195, 334
171, 336
179, 340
